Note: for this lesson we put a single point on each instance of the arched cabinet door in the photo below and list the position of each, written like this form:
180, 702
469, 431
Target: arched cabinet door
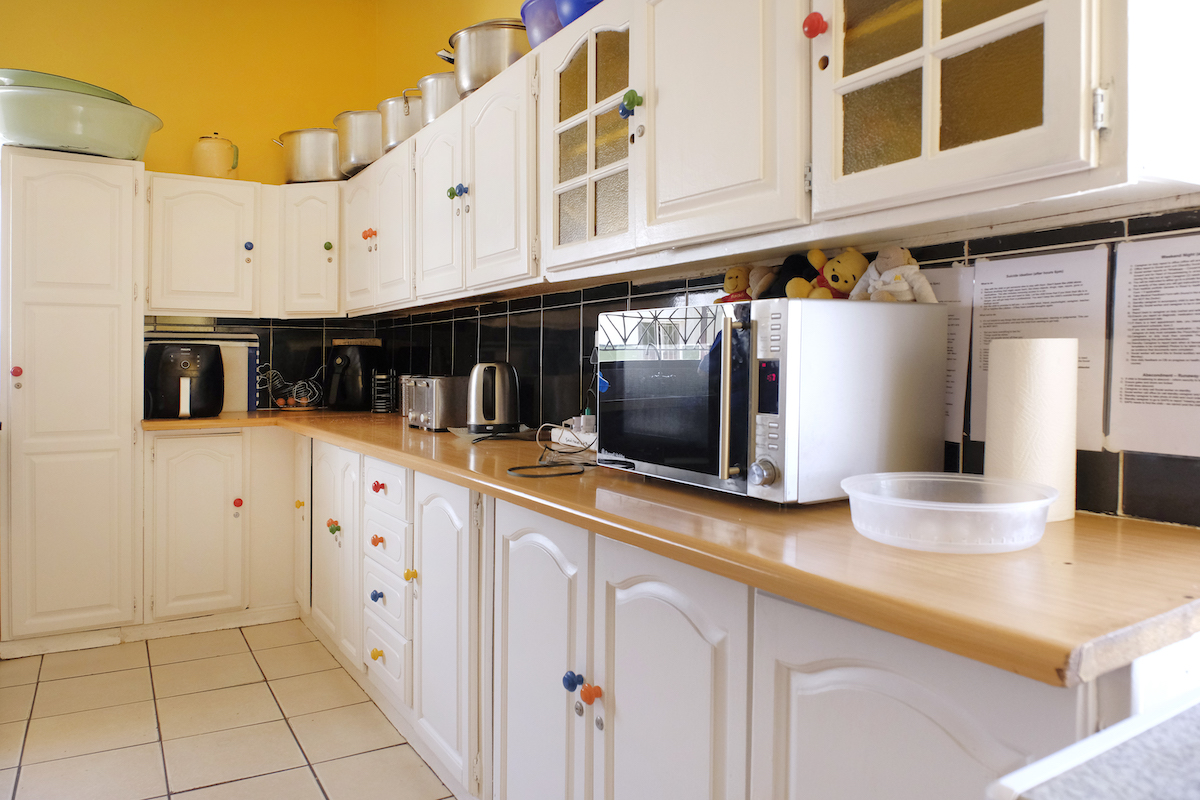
670, 661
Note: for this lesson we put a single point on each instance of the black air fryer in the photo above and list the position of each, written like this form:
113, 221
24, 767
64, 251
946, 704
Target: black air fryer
184, 380
347, 383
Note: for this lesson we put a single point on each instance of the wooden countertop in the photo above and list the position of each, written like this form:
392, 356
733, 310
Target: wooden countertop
1094, 594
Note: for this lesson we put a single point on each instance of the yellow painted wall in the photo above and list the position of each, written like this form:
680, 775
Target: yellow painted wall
248, 69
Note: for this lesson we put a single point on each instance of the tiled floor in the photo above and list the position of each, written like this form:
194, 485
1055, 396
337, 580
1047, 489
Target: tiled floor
260, 713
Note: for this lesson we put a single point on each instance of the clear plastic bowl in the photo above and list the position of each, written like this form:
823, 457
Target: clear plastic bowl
949, 513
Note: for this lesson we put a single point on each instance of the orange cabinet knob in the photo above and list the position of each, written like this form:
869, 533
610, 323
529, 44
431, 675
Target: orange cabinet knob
299, 504
376, 654
377, 540
410, 574
590, 693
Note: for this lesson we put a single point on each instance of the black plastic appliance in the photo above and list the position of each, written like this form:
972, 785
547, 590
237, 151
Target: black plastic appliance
183, 380
347, 381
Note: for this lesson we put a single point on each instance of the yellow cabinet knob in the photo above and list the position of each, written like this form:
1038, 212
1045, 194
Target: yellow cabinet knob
299, 504
376, 654
410, 574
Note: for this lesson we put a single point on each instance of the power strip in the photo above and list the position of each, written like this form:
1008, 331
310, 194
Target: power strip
570, 438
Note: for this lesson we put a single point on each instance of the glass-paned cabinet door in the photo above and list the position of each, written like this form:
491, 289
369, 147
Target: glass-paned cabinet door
587, 214
923, 99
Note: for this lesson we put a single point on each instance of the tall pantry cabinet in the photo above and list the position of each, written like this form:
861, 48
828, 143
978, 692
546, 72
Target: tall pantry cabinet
71, 233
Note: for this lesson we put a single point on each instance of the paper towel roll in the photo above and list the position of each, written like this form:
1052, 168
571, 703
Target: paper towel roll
1031, 402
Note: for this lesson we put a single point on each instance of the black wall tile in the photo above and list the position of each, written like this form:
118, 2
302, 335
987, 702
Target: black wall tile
561, 394
1161, 223
1076, 234
608, 291
466, 346
662, 287
1097, 478
707, 282
488, 309
296, 355
972, 457
466, 312
561, 299
524, 304
953, 251
953, 453
493, 338
525, 353
676, 300
1162, 487
441, 348
398, 346
419, 349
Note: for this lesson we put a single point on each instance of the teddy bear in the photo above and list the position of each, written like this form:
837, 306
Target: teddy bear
837, 276
737, 282
794, 272
894, 277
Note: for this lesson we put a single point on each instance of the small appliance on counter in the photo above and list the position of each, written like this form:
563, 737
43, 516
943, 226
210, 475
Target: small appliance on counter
348, 374
493, 405
184, 380
438, 403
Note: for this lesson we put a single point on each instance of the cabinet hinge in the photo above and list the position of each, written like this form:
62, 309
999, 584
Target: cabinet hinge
535, 81
477, 773
135, 291
1100, 109
477, 512
135, 603
808, 177
537, 257
148, 188
135, 187
135, 434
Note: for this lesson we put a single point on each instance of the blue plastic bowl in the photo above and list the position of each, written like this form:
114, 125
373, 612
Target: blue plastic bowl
541, 20
571, 10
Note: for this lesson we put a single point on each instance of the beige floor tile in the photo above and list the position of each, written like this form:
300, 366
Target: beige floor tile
196, 645
345, 731
83, 732
218, 710
278, 634
12, 737
15, 702
132, 773
8, 781
317, 691
19, 671
296, 659
213, 758
294, 784
397, 773
117, 657
204, 674
92, 691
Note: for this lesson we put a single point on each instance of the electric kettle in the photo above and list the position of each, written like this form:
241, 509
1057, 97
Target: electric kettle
214, 157
492, 399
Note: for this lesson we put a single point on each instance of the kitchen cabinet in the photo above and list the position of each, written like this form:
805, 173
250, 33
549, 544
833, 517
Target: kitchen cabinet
203, 234
198, 511
72, 228
438, 240
377, 231
843, 710
302, 527
310, 248
336, 558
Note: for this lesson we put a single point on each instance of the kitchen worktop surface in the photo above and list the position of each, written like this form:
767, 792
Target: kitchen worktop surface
1094, 594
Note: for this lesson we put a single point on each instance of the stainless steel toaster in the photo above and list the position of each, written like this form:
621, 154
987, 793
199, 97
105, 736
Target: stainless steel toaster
493, 404
438, 403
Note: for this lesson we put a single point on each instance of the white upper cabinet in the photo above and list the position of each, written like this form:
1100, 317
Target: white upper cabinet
721, 136
203, 232
377, 231
309, 271
439, 207
926, 99
359, 221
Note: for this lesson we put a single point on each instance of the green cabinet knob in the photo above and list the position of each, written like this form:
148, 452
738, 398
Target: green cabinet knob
329, 245
451, 193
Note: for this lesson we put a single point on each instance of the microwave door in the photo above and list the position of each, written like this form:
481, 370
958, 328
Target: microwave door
669, 407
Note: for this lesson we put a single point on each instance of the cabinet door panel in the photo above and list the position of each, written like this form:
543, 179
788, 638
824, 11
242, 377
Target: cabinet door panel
335, 557
540, 634
72, 563
358, 258
302, 523
199, 535
439, 217
310, 222
394, 248
670, 653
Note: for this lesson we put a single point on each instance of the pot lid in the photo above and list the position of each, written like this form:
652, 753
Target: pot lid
491, 23
308, 130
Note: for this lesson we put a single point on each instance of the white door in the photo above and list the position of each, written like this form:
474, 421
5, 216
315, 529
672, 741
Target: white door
302, 523
442, 557
359, 236
670, 653
584, 165
335, 559
540, 635
438, 239
498, 162
69, 321
394, 242
310, 248
203, 232
199, 526
923, 101
719, 144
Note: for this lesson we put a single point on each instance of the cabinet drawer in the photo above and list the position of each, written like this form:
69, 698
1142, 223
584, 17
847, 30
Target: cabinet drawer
391, 595
386, 539
387, 657
386, 487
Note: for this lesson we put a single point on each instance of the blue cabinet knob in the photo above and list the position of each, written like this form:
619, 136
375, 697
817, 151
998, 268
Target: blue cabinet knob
376, 596
571, 681
249, 245
460, 190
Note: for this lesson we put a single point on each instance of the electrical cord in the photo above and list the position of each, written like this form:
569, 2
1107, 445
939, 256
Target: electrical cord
557, 459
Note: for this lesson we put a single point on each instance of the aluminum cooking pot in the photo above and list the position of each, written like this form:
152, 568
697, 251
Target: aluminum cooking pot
310, 154
360, 139
438, 95
484, 50
401, 118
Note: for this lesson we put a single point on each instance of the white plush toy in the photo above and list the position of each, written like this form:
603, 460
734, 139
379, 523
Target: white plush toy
893, 277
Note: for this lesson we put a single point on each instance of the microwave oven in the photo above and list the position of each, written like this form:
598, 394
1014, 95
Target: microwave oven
773, 399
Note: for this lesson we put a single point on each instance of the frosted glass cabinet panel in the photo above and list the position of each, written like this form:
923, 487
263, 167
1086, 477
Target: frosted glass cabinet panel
924, 99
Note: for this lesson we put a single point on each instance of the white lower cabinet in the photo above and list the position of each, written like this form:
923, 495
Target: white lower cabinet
336, 558
846, 711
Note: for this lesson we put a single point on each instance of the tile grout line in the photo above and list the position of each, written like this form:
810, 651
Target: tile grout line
37, 682
162, 751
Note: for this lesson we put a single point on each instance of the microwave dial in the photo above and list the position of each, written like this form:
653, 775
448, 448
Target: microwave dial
762, 473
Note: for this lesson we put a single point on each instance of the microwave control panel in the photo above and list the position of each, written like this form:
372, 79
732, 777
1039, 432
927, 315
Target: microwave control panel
765, 475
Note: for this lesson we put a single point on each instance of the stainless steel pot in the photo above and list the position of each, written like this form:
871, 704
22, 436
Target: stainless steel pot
360, 139
484, 50
438, 95
401, 118
310, 154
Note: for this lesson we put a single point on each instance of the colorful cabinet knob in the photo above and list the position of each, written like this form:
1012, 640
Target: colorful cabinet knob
460, 190
378, 487
376, 596
329, 245
629, 101
237, 503
410, 574
571, 681
299, 504
814, 25
16, 372
376, 654
589, 694
377, 540
451, 193
333, 526
249, 245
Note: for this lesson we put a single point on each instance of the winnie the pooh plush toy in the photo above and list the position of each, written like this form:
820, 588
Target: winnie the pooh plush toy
894, 277
837, 276
746, 283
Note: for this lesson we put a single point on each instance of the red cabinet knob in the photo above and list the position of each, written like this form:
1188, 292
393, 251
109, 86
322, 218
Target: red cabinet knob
590, 693
16, 372
237, 503
377, 487
377, 540
814, 25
